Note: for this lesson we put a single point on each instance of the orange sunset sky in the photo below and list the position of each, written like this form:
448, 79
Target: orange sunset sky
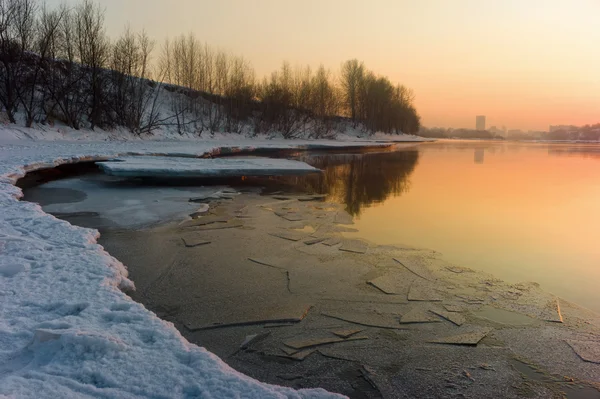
524, 64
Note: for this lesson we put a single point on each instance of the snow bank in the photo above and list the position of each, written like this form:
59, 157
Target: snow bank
161, 167
66, 328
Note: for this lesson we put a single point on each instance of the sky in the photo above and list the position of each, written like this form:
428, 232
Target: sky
525, 64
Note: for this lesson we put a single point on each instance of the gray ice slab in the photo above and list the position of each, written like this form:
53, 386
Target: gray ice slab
314, 197
453, 317
205, 220
470, 338
288, 235
343, 217
552, 311
416, 267
356, 246
330, 242
453, 308
459, 269
423, 292
503, 316
230, 224
393, 283
314, 241
416, 315
192, 241
280, 313
252, 339
170, 167
588, 351
310, 343
291, 216
266, 262
370, 319
346, 333
202, 210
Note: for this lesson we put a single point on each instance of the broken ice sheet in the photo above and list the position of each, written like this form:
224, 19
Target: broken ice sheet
309, 343
167, 167
453, 317
368, 319
330, 242
470, 338
203, 209
343, 217
423, 292
393, 283
416, 267
588, 351
453, 308
291, 216
355, 246
288, 235
416, 315
346, 333
314, 240
204, 221
253, 338
192, 241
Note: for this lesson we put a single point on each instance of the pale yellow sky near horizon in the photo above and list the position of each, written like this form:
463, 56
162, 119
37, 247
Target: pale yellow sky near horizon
524, 64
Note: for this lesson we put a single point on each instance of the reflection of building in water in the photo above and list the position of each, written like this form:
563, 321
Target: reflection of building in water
479, 155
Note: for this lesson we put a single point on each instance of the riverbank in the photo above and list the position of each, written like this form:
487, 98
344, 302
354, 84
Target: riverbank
271, 285
68, 328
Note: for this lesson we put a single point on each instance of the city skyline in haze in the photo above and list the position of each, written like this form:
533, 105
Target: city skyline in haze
527, 65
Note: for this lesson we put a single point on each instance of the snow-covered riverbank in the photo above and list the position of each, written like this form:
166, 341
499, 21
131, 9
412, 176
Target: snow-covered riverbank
66, 328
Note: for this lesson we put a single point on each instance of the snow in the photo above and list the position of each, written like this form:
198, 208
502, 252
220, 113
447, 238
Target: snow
66, 327
123, 205
162, 167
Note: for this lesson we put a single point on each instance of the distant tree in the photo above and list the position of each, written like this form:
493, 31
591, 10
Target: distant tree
65, 95
93, 52
352, 78
131, 89
34, 94
324, 102
17, 25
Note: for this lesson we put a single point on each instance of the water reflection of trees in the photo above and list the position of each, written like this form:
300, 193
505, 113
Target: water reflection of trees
359, 180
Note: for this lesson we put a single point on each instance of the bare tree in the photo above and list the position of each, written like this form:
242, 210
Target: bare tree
34, 95
131, 89
93, 52
17, 24
324, 102
65, 95
352, 79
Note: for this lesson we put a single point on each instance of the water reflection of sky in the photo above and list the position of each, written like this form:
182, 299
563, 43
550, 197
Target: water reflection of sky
522, 211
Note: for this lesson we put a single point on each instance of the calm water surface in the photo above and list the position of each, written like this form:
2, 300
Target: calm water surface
524, 212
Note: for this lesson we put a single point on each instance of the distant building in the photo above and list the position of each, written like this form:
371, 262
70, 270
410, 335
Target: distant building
498, 132
566, 128
514, 132
480, 122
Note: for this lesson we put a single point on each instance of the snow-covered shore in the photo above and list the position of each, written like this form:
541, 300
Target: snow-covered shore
66, 327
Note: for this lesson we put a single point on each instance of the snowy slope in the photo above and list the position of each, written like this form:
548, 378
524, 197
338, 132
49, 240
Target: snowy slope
66, 328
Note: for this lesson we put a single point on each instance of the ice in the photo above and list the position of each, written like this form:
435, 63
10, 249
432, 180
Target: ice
176, 167
67, 329
124, 205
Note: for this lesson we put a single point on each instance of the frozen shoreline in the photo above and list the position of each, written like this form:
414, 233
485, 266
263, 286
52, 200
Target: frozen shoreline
66, 327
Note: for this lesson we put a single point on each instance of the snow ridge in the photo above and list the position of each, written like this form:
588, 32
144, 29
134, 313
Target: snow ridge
66, 328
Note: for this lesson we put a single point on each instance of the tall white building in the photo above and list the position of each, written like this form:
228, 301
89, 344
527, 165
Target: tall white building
480, 122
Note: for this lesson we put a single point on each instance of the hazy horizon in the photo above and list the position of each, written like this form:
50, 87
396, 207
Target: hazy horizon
523, 65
